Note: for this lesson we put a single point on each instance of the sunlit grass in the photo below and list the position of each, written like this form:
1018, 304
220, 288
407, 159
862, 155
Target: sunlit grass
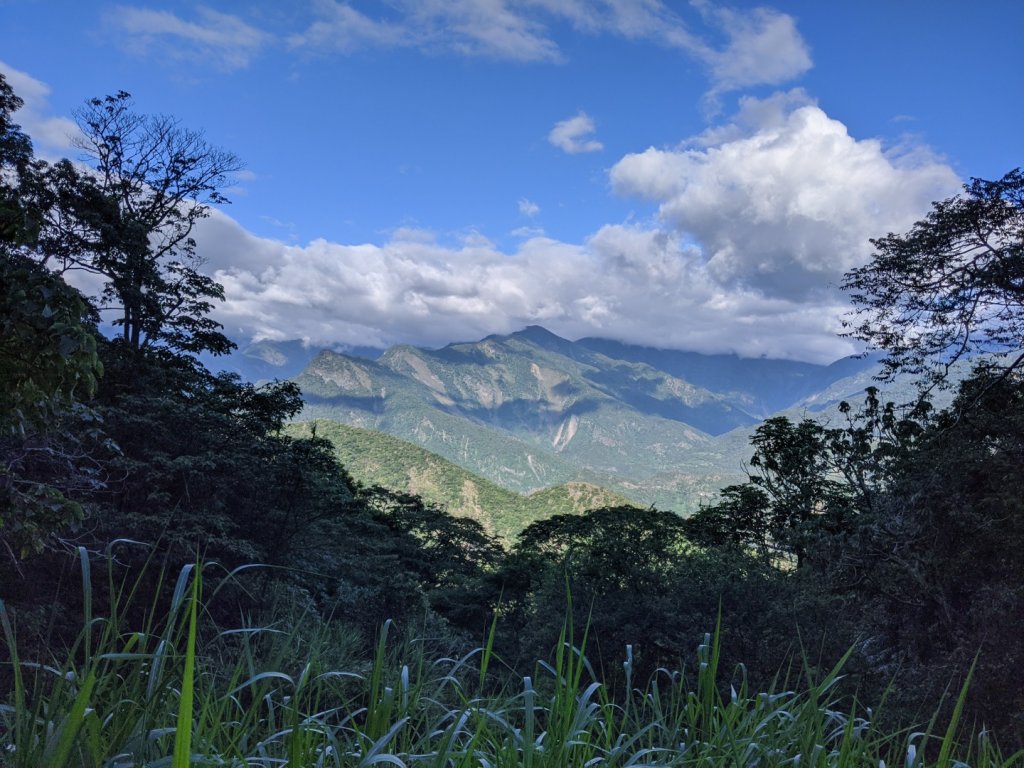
179, 693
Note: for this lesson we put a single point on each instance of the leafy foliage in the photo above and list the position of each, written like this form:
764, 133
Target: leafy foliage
48, 364
48, 368
939, 563
951, 287
130, 221
809, 483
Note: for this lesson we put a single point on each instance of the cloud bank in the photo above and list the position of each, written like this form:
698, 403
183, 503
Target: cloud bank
756, 222
783, 200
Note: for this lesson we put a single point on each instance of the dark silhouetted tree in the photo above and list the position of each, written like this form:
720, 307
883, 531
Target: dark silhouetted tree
130, 219
951, 287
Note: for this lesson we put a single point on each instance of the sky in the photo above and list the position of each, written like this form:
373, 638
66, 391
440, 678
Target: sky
691, 175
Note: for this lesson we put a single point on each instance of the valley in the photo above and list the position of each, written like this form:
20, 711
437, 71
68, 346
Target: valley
508, 417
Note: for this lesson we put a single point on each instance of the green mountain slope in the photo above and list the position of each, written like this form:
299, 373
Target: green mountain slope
522, 414
375, 458
531, 410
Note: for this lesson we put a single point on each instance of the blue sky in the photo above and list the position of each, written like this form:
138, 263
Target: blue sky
694, 175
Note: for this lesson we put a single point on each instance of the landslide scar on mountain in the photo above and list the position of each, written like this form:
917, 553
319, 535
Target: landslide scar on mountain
422, 373
566, 432
549, 381
349, 377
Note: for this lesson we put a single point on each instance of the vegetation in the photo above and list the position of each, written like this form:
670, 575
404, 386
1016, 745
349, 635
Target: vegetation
951, 287
166, 696
375, 458
381, 629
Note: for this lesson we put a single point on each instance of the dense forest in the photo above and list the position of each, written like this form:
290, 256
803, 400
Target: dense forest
184, 580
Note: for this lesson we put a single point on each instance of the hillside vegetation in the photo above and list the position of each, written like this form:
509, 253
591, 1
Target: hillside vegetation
532, 410
375, 458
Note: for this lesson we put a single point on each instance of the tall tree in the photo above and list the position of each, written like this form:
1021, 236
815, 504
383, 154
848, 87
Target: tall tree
951, 287
16, 161
131, 218
48, 361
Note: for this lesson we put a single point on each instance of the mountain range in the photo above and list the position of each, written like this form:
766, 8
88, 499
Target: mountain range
531, 410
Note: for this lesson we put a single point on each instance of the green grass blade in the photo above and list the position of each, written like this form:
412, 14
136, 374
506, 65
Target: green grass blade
57, 752
182, 757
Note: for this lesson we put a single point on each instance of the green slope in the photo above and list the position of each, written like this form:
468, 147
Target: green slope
524, 415
531, 410
376, 458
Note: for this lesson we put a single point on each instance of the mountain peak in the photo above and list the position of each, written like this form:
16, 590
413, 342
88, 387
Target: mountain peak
542, 337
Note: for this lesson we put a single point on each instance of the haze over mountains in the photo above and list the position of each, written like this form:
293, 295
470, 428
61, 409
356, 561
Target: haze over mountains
531, 410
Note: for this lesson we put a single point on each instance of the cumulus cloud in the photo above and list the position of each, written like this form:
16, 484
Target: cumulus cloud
572, 135
52, 136
783, 200
226, 41
645, 285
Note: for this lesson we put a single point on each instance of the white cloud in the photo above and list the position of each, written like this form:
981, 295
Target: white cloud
764, 49
783, 200
51, 136
762, 45
226, 41
487, 28
527, 233
528, 208
758, 220
343, 28
641, 285
571, 135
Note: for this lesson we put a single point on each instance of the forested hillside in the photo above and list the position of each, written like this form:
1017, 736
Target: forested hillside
374, 458
186, 579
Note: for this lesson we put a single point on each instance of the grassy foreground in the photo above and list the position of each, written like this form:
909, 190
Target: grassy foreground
180, 693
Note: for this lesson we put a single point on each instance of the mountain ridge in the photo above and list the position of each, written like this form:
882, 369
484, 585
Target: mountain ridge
530, 409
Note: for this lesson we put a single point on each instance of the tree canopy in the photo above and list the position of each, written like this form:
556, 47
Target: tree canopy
130, 219
952, 287
48, 360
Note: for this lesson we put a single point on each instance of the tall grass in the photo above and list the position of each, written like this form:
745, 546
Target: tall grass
178, 693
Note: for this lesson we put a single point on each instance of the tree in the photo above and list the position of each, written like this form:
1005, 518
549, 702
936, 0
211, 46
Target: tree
809, 482
16, 162
48, 361
635, 577
951, 287
447, 556
131, 218
741, 519
48, 369
936, 569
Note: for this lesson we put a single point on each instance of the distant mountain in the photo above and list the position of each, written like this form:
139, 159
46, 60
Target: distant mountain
761, 386
265, 360
532, 410
374, 458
